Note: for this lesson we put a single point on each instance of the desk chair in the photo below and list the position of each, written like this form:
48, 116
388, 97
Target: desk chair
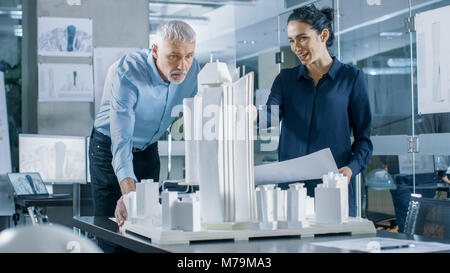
429, 218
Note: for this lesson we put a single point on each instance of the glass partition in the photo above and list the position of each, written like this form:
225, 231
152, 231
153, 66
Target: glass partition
432, 100
382, 45
372, 37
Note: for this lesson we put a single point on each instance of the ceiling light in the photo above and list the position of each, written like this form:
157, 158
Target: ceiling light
18, 31
373, 2
178, 17
15, 14
247, 42
387, 71
391, 34
400, 62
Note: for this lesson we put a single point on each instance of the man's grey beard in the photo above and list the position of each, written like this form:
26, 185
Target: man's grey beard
172, 80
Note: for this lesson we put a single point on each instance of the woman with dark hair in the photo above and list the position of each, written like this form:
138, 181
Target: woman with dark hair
322, 100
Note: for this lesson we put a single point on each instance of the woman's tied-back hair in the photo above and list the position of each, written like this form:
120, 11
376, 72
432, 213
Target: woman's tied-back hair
176, 30
317, 19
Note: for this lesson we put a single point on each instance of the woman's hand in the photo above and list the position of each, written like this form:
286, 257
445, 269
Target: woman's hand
445, 179
346, 171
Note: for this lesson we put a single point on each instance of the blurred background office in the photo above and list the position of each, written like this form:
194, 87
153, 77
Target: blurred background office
411, 147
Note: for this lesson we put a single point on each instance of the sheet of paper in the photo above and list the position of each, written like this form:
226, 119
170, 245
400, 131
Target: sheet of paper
65, 82
64, 36
386, 245
312, 166
433, 68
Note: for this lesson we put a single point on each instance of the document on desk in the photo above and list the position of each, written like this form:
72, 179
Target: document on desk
385, 245
312, 166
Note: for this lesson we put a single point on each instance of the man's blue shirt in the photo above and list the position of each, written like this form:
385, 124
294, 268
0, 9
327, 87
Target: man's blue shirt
136, 106
322, 116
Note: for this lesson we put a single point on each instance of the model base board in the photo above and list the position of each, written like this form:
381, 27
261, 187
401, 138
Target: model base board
165, 237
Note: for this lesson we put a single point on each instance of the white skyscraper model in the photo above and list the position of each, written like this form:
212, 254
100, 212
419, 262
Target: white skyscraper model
168, 202
331, 199
143, 205
222, 146
190, 144
147, 196
297, 206
180, 215
282, 204
266, 196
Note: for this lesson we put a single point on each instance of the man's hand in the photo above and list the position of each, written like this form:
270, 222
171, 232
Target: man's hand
346, 171
127, 185
121, 212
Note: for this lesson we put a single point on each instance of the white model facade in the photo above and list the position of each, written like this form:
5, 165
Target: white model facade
219, 145
331, 199
281, 209
181, 214
297, 206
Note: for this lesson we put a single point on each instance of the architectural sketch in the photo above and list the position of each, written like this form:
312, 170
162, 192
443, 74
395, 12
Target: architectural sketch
64, 36
433, 69
57, 159
65, 82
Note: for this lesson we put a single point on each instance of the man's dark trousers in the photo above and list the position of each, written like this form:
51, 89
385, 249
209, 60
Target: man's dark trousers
105, 187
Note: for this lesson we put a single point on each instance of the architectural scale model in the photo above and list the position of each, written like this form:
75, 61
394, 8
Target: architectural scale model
219, 158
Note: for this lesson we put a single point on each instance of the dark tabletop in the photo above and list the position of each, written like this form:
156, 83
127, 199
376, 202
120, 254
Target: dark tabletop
105, 228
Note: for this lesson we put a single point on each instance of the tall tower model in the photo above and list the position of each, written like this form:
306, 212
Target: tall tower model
219, 146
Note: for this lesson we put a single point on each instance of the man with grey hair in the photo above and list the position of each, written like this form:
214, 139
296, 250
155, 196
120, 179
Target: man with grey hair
139, 93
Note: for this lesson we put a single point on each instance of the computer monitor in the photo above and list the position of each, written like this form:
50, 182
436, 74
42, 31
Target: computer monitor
58, 159
27, 184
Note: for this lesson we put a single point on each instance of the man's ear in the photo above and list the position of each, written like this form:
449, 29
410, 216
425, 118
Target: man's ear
155, 51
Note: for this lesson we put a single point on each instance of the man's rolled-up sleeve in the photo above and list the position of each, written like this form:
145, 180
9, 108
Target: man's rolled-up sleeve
122, 118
